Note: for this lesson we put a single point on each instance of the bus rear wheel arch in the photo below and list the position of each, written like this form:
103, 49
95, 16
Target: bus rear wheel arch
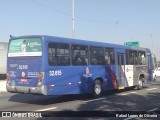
97, 88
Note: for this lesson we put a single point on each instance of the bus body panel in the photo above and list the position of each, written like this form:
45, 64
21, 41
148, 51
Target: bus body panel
71, 79
22, 72
74, 80
25, 65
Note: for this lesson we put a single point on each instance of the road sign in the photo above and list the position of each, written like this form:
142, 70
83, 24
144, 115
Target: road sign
132, 43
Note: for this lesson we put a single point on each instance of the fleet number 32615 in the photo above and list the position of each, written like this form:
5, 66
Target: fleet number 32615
55, 73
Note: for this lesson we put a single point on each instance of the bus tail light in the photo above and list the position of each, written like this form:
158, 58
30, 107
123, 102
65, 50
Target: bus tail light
41, 77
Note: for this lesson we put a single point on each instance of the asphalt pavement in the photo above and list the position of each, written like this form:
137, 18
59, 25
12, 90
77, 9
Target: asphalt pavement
147, 99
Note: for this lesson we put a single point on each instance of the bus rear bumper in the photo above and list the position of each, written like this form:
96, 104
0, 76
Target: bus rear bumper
23, 89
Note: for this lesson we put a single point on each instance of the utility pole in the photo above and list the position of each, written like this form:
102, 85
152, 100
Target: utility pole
73, 30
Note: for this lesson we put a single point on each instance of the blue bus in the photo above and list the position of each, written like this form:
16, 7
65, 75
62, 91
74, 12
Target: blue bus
48, 65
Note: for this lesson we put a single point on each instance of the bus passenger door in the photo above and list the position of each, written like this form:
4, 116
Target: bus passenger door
150, 67
120, 74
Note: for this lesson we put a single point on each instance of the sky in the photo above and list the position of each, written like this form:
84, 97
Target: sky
110, 21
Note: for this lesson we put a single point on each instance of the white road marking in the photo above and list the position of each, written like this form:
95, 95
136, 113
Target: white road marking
47, 109
133, 92
152, 89
154, 109
127, 93
94, 99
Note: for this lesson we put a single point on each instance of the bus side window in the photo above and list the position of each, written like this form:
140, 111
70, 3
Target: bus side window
58, 54
135, 58
97, 55
93, 59
109, 56
142, 58
79, 55
106, 58
127, 56
100, 55
132, 59
51, 56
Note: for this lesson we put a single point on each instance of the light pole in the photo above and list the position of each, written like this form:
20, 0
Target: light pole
73, 30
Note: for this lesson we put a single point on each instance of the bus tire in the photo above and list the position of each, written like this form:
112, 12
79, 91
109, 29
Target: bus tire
97, 88
140, 84
155, 78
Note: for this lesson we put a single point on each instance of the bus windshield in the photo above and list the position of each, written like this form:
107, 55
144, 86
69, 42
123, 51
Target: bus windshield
25, 47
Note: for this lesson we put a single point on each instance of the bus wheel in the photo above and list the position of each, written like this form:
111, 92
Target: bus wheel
97, 88
140, 85
155, 78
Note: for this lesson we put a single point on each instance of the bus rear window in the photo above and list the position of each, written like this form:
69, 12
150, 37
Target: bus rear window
25, 47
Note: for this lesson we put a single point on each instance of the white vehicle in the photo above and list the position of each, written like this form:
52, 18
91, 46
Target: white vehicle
3, 59
156, 73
